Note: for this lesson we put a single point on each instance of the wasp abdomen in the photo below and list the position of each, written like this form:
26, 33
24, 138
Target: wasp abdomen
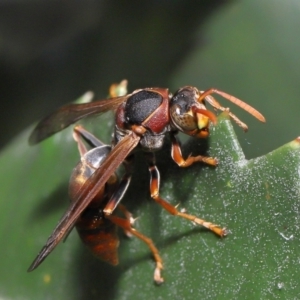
99, 235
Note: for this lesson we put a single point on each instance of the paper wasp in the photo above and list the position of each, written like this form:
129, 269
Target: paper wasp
142, 120
97, 230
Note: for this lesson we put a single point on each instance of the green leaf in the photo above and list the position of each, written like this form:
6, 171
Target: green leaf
257, 200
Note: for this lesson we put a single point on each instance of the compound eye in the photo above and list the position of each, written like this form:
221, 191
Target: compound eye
184, 121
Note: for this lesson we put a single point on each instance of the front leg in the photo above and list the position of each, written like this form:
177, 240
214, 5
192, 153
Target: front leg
154, 190
181, 162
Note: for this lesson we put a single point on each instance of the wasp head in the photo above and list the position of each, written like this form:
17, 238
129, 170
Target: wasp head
188, 114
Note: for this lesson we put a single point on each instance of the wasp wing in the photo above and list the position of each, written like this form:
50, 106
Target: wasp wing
70, 114
86, 194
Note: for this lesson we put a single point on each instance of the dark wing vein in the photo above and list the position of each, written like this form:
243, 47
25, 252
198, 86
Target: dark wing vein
70, 114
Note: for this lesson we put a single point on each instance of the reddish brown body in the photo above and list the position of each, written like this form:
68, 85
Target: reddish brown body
143, 118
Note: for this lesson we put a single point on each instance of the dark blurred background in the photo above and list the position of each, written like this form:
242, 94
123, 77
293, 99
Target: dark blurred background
54, 51
51, 52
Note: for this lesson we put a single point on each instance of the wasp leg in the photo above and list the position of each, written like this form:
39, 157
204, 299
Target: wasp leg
128, 216
122, 187
181, 162
80, 134
126, 226
126, 213
154, 190
118, 89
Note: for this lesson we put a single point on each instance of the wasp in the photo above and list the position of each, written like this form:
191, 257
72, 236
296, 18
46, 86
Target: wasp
143, 119
97, 230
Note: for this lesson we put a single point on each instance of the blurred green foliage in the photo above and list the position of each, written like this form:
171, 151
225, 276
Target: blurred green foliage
247, 48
